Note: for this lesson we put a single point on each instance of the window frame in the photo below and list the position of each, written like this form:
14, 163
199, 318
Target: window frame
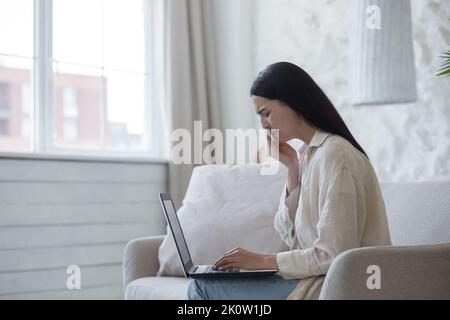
42, 86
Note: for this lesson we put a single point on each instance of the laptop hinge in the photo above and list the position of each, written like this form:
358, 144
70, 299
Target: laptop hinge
192, 269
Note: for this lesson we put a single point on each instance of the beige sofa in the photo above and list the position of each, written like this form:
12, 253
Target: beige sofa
416, 267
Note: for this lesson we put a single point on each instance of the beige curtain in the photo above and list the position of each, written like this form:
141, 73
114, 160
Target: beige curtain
189, 72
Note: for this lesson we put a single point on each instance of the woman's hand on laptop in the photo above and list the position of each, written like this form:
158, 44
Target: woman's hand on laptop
244, 259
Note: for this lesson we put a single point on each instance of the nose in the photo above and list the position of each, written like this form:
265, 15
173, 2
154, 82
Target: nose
264, 123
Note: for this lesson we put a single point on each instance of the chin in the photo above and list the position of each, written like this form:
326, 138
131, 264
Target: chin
282, 140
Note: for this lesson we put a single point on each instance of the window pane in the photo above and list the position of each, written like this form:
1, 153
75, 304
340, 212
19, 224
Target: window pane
100, 40
15, 103
16, 65
77, 31
125, 110
16, 27
83, 120
99, 74
77, 116
124, 41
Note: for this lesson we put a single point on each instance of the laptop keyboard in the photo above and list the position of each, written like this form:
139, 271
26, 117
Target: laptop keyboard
211, 269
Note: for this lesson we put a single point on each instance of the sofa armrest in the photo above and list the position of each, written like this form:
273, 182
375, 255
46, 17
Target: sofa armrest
406, 272
140, 258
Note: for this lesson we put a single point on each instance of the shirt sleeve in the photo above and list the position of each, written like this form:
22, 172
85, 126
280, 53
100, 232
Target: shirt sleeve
284, 221
285, 217
337, 231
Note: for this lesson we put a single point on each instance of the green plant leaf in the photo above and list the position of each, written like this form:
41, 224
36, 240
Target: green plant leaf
445, 72
445, 67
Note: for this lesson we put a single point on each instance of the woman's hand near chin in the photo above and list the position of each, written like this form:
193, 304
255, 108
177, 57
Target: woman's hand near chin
288, 156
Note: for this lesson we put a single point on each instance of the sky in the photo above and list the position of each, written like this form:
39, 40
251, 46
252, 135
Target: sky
88, 34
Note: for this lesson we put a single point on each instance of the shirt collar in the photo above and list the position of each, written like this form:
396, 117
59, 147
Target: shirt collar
318, 138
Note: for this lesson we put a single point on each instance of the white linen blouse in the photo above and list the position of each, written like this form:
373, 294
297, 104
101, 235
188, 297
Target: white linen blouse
337, 206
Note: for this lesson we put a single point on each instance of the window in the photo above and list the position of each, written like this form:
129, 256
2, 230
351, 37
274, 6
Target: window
70, 113
16, 65
26, 110
5, 106
82, 84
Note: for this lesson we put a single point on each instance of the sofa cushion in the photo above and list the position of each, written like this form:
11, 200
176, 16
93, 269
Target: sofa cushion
157, 288
226, 207
418, 212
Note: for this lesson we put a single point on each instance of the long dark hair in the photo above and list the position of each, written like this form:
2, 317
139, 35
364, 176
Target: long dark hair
291, 85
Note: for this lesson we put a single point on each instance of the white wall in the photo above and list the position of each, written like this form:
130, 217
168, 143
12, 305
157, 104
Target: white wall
405, 142
56, 213
233, 24
408, 142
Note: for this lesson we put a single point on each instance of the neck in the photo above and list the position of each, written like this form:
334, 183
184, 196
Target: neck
306, 132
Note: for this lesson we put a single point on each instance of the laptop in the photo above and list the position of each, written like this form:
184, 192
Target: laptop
199, 271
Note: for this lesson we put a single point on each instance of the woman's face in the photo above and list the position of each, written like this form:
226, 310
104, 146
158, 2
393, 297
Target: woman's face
274, 114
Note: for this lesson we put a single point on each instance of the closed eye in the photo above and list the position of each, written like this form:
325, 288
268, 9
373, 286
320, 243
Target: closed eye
265, 113
262, 111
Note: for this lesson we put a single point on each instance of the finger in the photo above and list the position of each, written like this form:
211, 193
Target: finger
232, 253
218, 261
269, 143
226, 255
223, 262
229, 255
232, 250
275, 134
230, 265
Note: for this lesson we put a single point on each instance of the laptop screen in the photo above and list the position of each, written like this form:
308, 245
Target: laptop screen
174, 225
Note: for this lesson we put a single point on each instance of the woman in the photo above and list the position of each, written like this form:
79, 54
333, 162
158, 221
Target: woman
331, 202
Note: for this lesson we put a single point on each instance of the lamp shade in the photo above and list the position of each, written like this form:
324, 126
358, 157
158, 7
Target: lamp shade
382, 56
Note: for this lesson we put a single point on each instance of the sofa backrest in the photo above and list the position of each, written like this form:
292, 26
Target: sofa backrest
229, 206
418, 212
